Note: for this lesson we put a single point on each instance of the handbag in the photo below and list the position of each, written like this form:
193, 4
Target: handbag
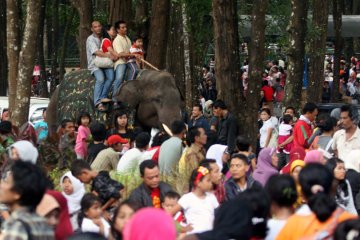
103, 62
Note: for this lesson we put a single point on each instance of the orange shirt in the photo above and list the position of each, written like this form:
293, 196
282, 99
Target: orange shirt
304, 226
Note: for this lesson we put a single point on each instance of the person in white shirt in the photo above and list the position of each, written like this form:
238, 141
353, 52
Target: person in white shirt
131, 159
267, 128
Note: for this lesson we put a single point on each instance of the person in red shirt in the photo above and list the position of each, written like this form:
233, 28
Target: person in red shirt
303, 128
268, 91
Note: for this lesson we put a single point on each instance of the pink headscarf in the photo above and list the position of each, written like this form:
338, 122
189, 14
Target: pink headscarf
150, 224
264, 169
314, 156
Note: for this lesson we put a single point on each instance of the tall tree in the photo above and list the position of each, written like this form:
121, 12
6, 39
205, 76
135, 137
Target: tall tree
40, 53
296, 53
317, 50
256, 65
120, 10
85, 10
337, 15
159, 25
54, 43
3, 57
187, 63
142, 20
13, 46
227, 64
20, 112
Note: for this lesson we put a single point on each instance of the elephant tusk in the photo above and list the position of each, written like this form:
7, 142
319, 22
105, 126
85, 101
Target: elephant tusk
167, 129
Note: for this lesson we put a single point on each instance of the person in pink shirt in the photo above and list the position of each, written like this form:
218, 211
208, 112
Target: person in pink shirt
83, 135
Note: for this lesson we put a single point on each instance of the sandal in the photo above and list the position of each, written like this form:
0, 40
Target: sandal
100, 107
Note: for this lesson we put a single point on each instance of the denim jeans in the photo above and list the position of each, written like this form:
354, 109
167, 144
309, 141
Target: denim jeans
119, 77
104, 78
133, 70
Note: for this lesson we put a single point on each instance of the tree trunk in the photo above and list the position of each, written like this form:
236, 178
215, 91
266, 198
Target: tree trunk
317, 50
85, 10
54, 43
3, 57
159, 26
13, 47
142, 21
337, 15
20, 113
120, 10
227, 65
40, 48
296, 52
69, 20
256, 66
187, 66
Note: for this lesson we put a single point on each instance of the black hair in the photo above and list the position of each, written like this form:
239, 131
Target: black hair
78, 166
87, 236
198, 106
142, 140
133, 205
193, 176
178, 126
242, 157
342, 185
309, 107
352, 111
44, 110
290, 108
119, 114
105, 30
192, 134
81, 115
266, 110
219, 104
98, 131
265, 83
65, 121
327, 124
344, 228
159, 138
207, 163
282, 190
242, 143
172, 195
30, 182
260, 204
287, 118
149, 164
118, 23
315, 175
87, 201
137, 37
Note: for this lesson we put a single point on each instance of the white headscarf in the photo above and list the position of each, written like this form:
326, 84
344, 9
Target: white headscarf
216, 152
352, 161
73, 199
26, 150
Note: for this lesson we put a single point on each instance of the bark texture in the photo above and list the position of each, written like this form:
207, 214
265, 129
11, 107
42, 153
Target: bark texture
187, 62
296, 53
256, 66
337, 15
159, 26
20, 112
3, 57
317, 50
120, 10
40, 49
54, 43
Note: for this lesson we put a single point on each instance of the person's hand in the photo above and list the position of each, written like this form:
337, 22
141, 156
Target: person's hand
106, 215
98, 222
187, 228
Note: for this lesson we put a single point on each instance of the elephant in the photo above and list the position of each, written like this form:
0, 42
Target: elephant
153, 94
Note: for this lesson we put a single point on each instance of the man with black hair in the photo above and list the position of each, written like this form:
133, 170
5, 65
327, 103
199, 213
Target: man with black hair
108, 158
348, 138
98, 133
197, 118
152, 191
22, 190
67, 142
227, 126
302, 130
171, 150
131, 159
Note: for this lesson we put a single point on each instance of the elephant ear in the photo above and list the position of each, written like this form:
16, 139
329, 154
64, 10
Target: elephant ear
129, 92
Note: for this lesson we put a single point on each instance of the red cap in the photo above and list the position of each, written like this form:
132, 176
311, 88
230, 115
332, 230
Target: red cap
114, 139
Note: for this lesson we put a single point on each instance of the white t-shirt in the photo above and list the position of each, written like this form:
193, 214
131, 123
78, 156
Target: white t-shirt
199, 212
274, 226
89, 226
129, 161
263, 131
285, 129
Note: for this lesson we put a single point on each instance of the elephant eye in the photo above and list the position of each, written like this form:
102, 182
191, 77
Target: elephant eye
156, 100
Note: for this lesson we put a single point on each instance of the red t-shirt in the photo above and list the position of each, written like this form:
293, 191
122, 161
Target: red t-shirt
106, 43
155, 196
268, 93
302, 132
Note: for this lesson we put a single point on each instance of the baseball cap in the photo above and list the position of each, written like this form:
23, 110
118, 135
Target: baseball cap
114, 139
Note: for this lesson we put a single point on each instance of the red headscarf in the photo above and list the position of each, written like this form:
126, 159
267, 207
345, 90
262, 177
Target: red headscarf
296, 153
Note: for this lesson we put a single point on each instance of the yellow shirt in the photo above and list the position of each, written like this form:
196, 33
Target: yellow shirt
121, 45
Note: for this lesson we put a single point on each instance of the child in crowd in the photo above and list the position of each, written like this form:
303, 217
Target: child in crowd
171, 198
122, 215
73, 190
133, 63
90, 218
67, 142
107, 189
198, 205
83, 135
285, 139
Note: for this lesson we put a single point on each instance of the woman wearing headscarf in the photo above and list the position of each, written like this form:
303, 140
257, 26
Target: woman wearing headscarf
296, 153
314, 156
352, 165
143, 227
266, 165
219, 153
73, 190
296, 167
